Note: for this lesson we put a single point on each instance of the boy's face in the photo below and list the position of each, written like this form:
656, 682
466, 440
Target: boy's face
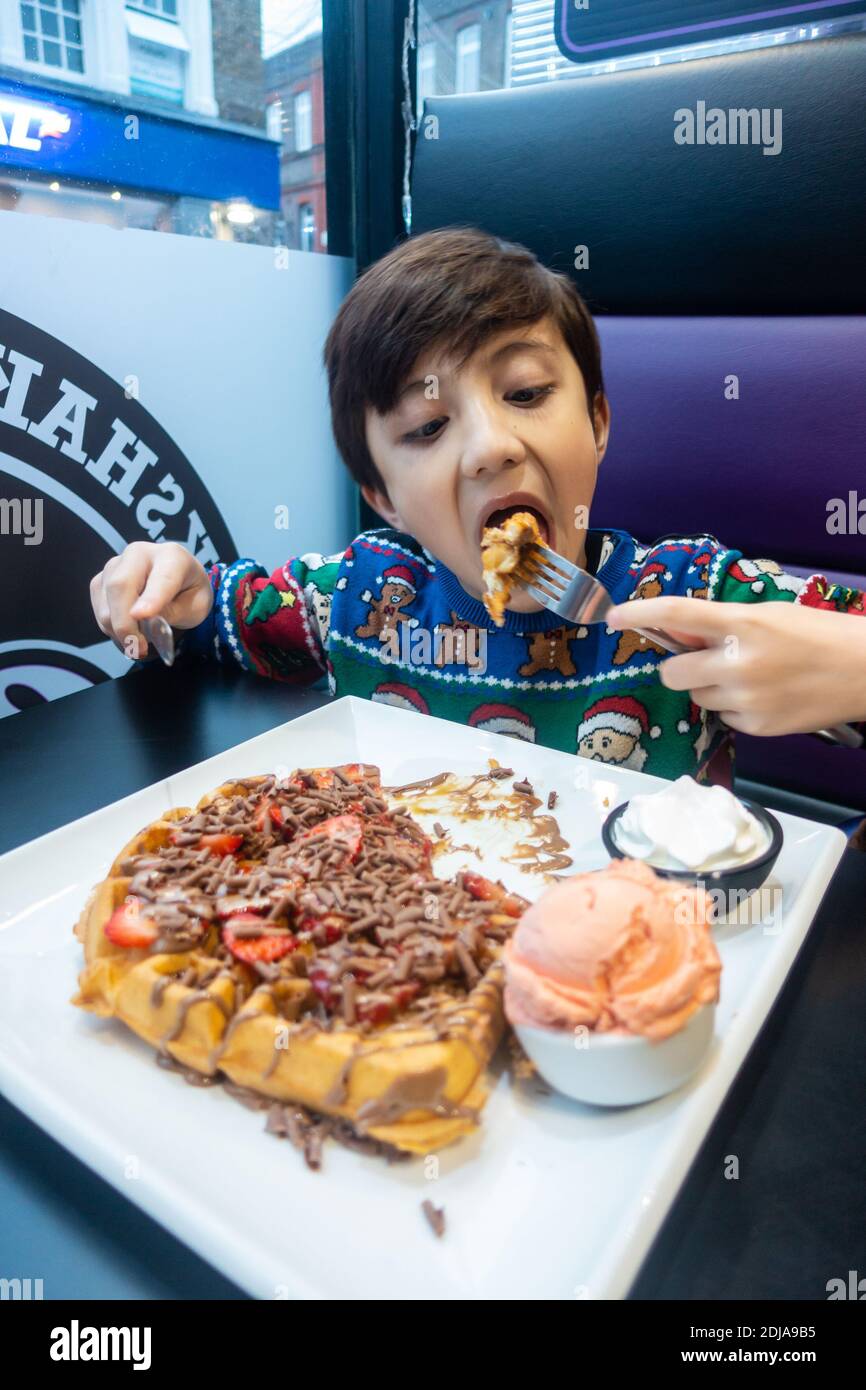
512, 429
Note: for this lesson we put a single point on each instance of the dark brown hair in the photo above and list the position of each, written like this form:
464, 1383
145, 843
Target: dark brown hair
447, 290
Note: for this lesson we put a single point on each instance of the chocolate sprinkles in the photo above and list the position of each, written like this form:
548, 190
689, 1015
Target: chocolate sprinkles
377, 940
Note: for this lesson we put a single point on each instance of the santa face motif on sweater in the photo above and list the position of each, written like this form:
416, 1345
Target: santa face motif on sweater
753, 572
611, 731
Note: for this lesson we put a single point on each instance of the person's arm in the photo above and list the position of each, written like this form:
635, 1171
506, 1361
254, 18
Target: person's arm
778, 654
273, 624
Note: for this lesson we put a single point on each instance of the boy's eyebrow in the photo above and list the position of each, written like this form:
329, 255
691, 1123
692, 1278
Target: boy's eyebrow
514, 345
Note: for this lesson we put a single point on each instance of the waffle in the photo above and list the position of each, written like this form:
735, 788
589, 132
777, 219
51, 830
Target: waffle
291, 936
506, 561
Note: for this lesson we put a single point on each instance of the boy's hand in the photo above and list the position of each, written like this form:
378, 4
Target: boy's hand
767, 668
145, 580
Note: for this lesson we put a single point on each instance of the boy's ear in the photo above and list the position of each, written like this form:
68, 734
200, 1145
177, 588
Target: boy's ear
601, 423
381, 503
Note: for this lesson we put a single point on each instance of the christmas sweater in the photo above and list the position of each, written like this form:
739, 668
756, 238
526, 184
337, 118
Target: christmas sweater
387, 621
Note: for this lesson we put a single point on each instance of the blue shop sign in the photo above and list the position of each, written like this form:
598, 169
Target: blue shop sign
99, 142
597, 31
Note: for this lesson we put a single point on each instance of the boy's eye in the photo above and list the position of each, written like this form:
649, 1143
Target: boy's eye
524, 395
530, 394
426, 431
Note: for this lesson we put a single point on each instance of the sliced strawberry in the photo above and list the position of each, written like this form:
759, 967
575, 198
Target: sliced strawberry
221, 842
268, 810
382, 1010
128, 927
218, 842
323, 983
374, 1011
362, 772
333, 922
480, 887
512, 906
233, 904
323, 777
254, 948
346, 831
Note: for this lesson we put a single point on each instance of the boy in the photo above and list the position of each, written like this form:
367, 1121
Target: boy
465, 382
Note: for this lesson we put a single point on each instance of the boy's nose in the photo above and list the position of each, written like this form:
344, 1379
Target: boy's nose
490, 446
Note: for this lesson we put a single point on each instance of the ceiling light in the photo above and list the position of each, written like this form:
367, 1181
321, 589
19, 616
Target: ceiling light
240, 212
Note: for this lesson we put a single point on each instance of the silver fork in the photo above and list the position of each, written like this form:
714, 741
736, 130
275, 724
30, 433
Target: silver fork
158, 634
579, 597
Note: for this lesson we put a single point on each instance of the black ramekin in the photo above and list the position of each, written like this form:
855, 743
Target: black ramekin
742, 878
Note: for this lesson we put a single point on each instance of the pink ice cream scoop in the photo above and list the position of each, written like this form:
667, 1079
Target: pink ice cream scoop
620, 950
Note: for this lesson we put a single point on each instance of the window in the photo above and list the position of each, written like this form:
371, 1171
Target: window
52, 34
468, 77
513, 44
293, 75
303, 121
224, 67
165, 9
307, 227
426, 73
274, 119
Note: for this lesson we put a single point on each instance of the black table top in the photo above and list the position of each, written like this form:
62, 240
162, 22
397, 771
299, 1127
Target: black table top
795, 1117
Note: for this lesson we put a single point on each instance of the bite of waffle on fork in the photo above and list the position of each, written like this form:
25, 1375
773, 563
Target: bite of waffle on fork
507, 558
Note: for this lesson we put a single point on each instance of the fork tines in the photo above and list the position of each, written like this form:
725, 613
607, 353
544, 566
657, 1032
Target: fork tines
552, 562
551, 569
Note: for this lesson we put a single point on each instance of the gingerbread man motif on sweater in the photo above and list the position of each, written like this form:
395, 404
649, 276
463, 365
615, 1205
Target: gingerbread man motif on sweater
385, 612
548, 651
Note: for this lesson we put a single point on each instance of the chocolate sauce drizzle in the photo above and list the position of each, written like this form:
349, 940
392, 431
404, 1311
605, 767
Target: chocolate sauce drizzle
393, 912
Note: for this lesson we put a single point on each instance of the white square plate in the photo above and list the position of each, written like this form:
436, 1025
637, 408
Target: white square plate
550, 1199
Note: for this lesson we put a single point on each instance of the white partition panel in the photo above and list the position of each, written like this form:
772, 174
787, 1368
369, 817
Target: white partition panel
152, 386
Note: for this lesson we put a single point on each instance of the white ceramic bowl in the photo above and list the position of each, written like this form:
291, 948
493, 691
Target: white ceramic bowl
618, 1068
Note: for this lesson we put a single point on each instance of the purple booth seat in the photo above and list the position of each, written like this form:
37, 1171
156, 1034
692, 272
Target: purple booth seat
759, 470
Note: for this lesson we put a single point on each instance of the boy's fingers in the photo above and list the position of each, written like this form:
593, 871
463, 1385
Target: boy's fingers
169, 573
689, 618
122, 581
99, 605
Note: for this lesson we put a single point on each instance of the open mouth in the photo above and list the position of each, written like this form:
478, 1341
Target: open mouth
500, 515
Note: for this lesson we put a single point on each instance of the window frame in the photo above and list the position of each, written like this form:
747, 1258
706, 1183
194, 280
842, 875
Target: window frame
362, 58
474, 28
430, 45
37, 67
144, 8
297, 98
311, 228
275, 117
362, 49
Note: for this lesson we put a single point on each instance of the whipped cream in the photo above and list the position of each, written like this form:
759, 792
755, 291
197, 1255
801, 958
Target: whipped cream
690, 826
